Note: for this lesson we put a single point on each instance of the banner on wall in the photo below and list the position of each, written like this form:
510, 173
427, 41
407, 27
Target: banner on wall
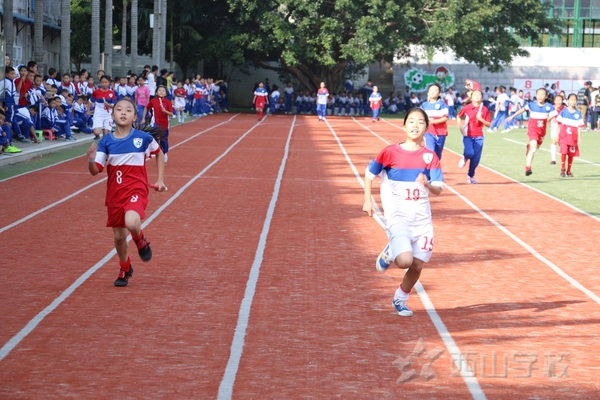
419, 80
530, 85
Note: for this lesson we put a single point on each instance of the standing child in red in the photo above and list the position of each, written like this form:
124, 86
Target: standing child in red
124, 153
570, 121
261, 97
162, 110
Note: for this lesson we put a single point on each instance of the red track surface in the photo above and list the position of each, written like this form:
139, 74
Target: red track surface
321, 323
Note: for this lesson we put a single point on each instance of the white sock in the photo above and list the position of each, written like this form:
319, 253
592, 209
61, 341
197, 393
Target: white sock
401, 295
553, 152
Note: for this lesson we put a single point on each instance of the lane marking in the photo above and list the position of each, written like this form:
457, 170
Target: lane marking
52, 205
468, 376
35, 321
546, 150
237, 345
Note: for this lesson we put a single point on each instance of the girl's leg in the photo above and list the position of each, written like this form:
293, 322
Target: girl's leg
439, 146
477, 151
569, 163
121, 244
563, 159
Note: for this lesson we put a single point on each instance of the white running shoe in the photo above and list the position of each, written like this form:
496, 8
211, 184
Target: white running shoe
462, 162
472, 180
400, 306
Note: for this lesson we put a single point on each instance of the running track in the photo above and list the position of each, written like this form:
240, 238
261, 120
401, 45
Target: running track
262, 283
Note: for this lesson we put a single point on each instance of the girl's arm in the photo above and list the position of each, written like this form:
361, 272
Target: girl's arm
435, 190
521, 111
485, 122
160, 169
91, 154
368, 204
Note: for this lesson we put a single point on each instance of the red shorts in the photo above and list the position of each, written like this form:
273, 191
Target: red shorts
539, 138
572, 151
260, 103
116, 215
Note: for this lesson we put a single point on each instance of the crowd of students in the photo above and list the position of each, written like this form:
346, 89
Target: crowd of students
77, 102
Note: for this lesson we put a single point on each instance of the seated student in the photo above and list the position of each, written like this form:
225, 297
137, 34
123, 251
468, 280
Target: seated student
51, 120
299, 99
24, 123
352, 104
82, 112
274, 100
67, 84
223, 101
6, 135
342, 102
331, 105
282, 106
121, 88
312, 103
392, 107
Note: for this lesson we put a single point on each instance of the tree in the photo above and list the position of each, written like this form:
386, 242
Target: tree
95, 51
38, 36
316, 40
81, 13
134, 36
65, 36
124, 39
108, 39
9, 27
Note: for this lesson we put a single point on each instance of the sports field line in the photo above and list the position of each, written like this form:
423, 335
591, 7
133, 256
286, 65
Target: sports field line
468, 376
30, 326
52, 205
571, 206
524, 244
237, 344
577, 158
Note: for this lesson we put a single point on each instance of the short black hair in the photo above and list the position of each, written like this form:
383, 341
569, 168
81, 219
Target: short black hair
52, 71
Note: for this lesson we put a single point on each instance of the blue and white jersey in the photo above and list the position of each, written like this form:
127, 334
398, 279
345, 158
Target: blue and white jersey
52, 81
435, 110
261, 92
131, 90
342, 100
572, 119
120, 91
35, 95
289, 91
275, 96
49, 117
322, 96
80, 108
70, 88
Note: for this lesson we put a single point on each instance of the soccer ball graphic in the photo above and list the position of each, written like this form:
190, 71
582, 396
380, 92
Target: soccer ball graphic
417, 78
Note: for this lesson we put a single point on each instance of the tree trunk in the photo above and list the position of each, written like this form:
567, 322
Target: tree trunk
124, 40
108, 42
65, 36
9, 27
171, 41
38, 37
134, 36
95, 66
156, 34
163, 32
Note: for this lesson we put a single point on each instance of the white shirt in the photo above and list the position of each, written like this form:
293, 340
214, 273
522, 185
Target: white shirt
151, 84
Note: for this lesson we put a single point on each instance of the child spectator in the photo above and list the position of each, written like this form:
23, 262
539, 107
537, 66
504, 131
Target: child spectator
437, 111
24, 123
180, 100
142, 96
51, 120
322, 97
289, 97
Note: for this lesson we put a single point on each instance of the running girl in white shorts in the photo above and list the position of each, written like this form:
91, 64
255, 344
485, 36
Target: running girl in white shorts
409, 174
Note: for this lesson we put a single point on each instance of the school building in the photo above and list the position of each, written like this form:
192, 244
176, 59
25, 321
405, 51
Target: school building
22, 48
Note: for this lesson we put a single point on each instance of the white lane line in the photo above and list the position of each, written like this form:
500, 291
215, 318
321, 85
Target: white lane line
237, 345
52, 205
30, 326
572, 207
468, 376
577, 158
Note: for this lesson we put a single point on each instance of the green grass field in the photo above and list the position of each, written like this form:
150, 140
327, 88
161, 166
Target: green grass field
502, 154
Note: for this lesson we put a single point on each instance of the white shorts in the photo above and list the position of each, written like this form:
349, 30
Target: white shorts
553, 131
103, 121
179, 103
415, 239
